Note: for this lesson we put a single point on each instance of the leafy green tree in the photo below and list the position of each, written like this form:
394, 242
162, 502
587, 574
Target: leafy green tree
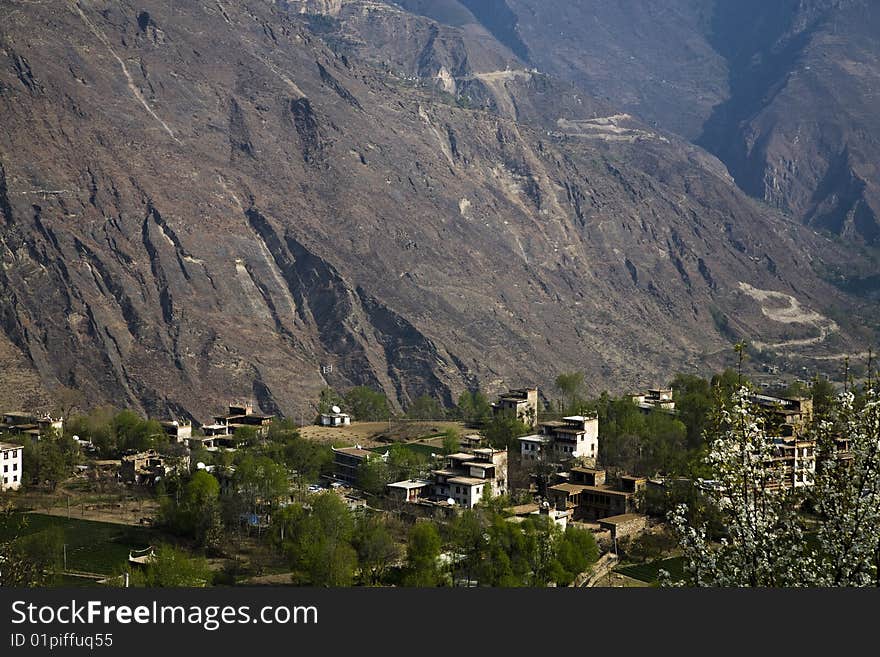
694, 402
27, 560
823, 393
468, 545
406, 463
473, 407
328, 399
172, 568
422, 556
503, 430
576, 550
571, 386
451, 440
321, 544
366, 404
426, 408
96, 427
260, 481
373, 475
375, 547
197, 513
51, 460
134, 433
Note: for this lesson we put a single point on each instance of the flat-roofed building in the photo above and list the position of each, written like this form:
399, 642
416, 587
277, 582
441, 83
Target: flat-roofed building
239, 416
11, 464
178, 431
521, 403
464, 478
596, 499
655, 399
347, 462
335, 419
411, 490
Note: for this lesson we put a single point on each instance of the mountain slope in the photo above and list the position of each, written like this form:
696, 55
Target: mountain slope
200, 203
785, 93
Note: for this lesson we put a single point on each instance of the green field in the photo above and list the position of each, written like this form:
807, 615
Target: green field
418, 448
93, 547
649, 572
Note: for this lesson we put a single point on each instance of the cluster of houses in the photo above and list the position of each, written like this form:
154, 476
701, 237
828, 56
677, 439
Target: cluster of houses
558, 462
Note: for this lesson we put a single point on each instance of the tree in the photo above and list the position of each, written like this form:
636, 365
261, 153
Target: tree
328, 399
373, 474
422, 556
134, 433
823, 393
426, 408
571, 385
172, 568
375, 547
51, 460
847, 493
366, 404
474, 407
764, 543
319, 544
67, 400
27, 560
468, 546
451, 441
576, 550
260, 481
503, 429
693, 401
197, 513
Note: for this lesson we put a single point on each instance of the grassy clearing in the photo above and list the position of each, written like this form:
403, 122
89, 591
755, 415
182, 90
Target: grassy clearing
650, 572
92, 547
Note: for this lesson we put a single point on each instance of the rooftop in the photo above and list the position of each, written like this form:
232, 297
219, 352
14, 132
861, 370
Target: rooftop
535, 438
479, 464
621, 519
587, 470
410, 484
467, 481
580, 488
7, 446
354, 451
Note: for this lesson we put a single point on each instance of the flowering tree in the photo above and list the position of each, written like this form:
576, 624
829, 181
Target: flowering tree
847, 493
765, 542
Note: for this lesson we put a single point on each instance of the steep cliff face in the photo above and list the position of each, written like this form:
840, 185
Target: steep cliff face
206, 202
783, 92
800, 129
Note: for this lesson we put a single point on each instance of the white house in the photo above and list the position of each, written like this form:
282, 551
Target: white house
572, 437
11, 464
335, 419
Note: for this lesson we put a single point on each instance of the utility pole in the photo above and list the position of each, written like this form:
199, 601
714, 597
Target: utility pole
65, 557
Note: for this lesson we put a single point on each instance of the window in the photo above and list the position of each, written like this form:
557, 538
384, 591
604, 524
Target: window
5, 455
5, 468
15, 478
15, 467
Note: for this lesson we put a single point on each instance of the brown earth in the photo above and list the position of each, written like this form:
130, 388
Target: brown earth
204, 202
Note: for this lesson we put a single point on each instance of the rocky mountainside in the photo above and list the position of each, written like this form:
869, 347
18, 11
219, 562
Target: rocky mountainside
207, 201
785, 93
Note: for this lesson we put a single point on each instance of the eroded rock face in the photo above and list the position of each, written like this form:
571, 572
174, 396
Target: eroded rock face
234, 207
784, 93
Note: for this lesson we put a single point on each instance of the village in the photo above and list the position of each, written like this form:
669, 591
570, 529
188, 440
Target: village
518, 456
